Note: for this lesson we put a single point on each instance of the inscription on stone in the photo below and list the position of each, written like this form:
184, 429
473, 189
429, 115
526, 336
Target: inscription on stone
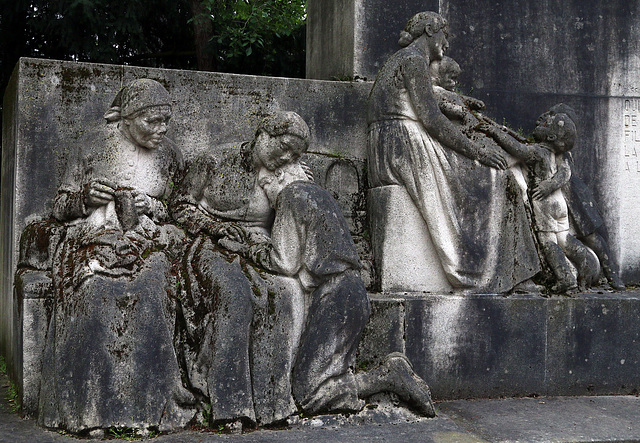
631, 115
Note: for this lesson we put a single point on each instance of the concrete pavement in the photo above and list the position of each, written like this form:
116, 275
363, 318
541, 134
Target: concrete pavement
555, 419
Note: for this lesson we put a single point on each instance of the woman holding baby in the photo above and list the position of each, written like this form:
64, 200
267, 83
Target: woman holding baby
472, 204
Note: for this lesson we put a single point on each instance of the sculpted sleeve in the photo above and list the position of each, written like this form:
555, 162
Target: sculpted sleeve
184, 204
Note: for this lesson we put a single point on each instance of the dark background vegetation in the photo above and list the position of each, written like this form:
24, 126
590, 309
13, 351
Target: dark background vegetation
261, 37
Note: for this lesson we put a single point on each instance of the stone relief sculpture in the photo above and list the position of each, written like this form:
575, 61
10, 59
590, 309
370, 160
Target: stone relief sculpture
311, 241
109, 358
472, 204
585, 218
424, 136
229, 303
462, 110
549, 171
312, 306
245, 318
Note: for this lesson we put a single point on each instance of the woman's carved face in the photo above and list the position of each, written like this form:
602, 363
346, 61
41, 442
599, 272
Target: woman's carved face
438, 44
273, 152
148, 127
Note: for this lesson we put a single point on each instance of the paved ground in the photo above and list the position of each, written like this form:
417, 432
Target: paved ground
559, 419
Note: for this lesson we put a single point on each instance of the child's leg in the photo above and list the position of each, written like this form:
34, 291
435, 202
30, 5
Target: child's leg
609, 266
587, 265
558, 262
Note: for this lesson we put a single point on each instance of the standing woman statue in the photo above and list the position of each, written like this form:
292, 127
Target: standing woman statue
471, 203
109, 360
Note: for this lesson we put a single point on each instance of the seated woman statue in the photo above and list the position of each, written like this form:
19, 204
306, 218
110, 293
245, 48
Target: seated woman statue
472, 204
109, 359
242, 323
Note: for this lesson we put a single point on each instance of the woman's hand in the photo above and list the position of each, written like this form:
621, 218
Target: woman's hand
234, 246
99, 193
233, 232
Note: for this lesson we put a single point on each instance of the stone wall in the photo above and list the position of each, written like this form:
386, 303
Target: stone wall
352, 38
50, 105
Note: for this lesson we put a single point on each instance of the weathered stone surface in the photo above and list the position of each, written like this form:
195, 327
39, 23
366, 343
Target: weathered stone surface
385, 331
520, 60
478, 346
467, 192
597, 72
492, 346
594, 344
48, 100
35, 307
406, 259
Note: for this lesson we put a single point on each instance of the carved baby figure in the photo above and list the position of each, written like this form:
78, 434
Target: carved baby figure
549, 171
444, 74
456, 106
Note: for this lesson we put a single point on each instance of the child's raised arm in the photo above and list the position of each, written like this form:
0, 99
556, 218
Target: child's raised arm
521, 151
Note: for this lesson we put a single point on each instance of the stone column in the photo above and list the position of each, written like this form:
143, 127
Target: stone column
352, 38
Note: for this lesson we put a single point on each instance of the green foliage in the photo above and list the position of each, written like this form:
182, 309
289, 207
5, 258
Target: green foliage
257, 36
207, 418
109, 31
128, 434
12, 396
260, 37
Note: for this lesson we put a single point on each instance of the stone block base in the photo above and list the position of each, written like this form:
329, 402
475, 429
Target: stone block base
491, 346
404, 254
33, 297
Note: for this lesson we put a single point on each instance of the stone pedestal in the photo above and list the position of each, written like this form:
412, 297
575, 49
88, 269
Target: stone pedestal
34, 300
404, 254
521, 345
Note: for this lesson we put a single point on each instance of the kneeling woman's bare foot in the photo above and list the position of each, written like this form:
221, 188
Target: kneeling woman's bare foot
408, 385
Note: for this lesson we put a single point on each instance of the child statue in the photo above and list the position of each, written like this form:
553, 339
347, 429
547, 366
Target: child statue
549, 171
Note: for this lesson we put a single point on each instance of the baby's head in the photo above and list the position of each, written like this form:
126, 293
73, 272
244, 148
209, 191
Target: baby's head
273, 182
558, 130
445, 72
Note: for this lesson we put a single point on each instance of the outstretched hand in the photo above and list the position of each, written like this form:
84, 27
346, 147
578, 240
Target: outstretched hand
492, 158
475, 104
143, 203
485, 127
307, 170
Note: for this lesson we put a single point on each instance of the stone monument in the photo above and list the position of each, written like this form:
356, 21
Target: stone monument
149, 325
234, 287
